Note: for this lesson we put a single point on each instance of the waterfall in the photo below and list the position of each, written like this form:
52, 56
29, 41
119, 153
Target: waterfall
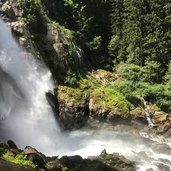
150, 123
25, 115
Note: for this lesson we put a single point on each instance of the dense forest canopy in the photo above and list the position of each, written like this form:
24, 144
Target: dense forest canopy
119, 30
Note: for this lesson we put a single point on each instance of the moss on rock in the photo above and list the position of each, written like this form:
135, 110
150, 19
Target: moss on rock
71, 96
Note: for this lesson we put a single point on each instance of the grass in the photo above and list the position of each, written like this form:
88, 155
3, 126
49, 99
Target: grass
104, 96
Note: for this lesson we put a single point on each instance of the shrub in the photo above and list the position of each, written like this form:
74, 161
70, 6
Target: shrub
19, 159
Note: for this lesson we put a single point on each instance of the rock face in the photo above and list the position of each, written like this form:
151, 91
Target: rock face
104, 162
73, 107
8, 166
57, 48
35, 156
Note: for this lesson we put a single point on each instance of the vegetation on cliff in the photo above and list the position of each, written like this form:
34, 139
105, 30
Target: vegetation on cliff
130, 38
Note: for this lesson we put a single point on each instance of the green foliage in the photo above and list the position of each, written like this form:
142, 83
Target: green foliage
73, 96
148, 73
18, 159
140, 32
89, 21
105, 96
168, 76
33, 14
71, 79
140, 82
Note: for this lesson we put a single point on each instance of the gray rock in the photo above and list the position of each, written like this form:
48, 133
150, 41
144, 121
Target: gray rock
8, 166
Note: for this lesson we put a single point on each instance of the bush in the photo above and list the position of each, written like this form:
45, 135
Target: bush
71, 79
19, 159
148, 73
33, 14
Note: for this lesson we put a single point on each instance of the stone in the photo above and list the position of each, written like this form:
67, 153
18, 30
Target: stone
18, 28
8, 11
159, 117
162, 167
35, 156
53, 101
73, 108
164, 127
138, 113
54, 166
11, 144
8, 166
162, 149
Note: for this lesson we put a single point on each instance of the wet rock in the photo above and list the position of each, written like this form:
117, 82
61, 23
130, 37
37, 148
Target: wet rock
11, 144
143, 155
8, 166
35, 156
162, 149
54, 166
53, 101
161, 166
117, 161
164, 127
159, 117
76, 163
18, 28
73, 107
138, 114
104, 162
8, 11
168, 134
166, 161
150, 169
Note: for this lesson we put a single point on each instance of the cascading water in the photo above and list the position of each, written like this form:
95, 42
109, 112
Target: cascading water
26, 117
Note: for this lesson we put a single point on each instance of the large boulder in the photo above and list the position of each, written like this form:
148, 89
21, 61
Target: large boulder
162, 149
54, 166
35, 156
18, 28
8, 166
7, 10
159, 117
73, 107
11, 144
10, 10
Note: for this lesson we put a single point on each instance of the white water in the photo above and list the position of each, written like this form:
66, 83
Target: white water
150, 123
27, 118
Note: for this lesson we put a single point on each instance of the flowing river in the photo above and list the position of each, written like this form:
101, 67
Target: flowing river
26, 117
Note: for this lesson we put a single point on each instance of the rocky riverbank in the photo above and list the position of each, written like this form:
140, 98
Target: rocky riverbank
29, 159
